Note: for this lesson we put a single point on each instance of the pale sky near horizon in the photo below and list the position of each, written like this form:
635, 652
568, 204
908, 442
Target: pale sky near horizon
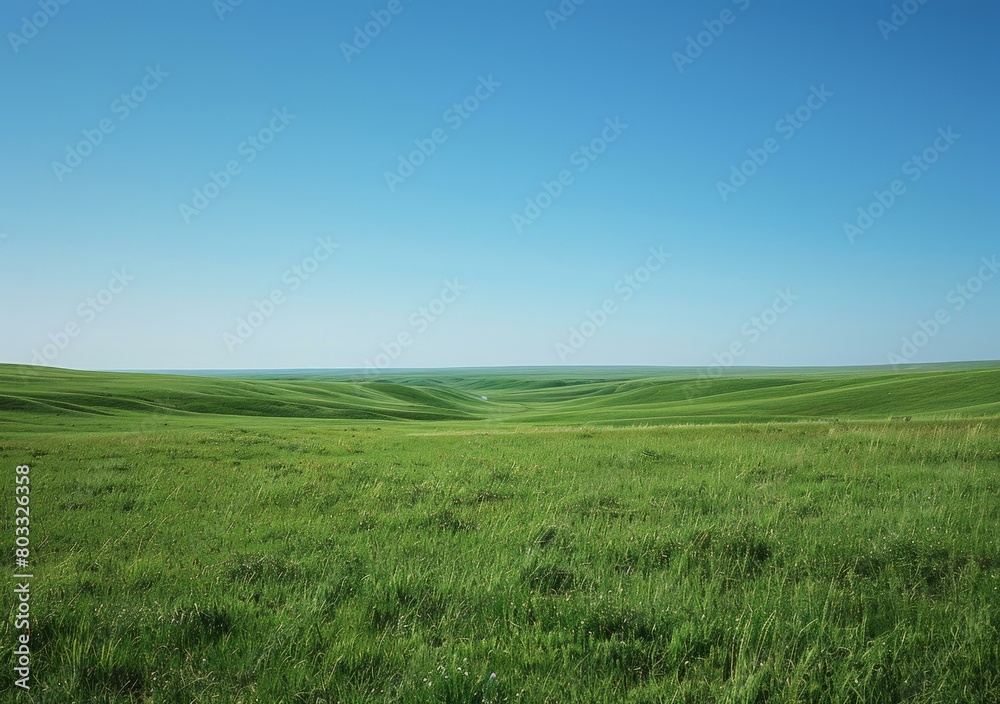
222, 185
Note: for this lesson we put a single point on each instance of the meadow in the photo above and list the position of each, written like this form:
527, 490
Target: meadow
519, 535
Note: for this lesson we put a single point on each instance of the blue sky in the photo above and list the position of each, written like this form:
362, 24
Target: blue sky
116, 113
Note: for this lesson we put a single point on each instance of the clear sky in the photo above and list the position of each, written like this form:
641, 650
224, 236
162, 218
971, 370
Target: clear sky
454, 183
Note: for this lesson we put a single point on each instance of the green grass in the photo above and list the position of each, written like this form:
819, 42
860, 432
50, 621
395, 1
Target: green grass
584, 535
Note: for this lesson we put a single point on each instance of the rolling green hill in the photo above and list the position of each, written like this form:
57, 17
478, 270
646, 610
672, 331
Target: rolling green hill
460, 536
533, 396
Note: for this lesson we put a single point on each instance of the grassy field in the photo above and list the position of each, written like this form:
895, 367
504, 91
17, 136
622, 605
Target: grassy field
535, 535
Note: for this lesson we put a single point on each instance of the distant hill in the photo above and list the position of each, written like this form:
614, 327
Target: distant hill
531, 395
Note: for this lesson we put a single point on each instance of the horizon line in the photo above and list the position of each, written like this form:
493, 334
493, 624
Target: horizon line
574, 367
